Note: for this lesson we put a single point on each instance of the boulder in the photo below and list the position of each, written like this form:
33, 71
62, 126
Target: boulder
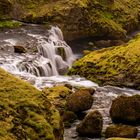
121, 139
91, 126
120, 130
80, 101
68, 118
19, 49
126, 110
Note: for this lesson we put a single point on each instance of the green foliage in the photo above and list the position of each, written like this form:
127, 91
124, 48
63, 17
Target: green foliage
9, 24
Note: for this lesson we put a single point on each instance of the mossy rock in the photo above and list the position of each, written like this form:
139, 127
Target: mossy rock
25, 112
119, 130
91, 126
115, 66
126, 110
79, 101
68, 118
57, 95
121, 139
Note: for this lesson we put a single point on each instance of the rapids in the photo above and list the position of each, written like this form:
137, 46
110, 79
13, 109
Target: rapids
47, 59
48, 56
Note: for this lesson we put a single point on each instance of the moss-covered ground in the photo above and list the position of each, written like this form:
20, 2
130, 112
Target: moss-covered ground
116, 65
78, 18
25, 113
9, 24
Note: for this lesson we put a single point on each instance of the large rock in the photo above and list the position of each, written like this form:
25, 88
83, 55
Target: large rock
126, 109
19, 49
91, 126
25, 112
112, 66
121, 139
80, 101
123, 131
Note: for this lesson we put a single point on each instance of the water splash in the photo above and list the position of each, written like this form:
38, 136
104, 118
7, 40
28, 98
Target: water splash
53, 55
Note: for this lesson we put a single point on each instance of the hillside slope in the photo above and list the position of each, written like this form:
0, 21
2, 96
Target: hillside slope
77, 18
25, 113
116, 66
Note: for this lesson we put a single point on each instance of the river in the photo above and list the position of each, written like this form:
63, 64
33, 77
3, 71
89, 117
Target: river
45, 62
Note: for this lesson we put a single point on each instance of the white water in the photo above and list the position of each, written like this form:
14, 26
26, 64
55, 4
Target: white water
42, 68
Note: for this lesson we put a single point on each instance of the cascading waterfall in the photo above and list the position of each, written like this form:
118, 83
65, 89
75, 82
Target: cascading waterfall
54, 56
47, 64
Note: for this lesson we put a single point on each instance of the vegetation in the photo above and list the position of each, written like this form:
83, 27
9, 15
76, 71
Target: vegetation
78, 18
115, 66
9, 24
25, 113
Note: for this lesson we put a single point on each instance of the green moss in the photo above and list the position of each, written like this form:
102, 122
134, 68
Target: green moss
78, 18
57, 95
9, 24
25, 112
117, 65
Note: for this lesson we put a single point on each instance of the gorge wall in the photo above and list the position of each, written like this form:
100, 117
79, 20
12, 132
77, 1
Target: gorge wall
77, 18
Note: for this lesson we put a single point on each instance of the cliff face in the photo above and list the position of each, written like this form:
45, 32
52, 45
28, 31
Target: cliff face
25, 113
77, 18
115, 66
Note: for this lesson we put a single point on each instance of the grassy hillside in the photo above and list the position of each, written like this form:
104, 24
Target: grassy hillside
77, 18
25, 113
116, 66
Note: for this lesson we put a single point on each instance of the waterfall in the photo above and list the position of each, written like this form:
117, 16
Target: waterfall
53, 56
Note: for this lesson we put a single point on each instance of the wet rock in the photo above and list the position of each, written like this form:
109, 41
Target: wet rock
126, 110
124, 131
19, 49
79, 101
91, 126
108, 43
68, 118
121, 139
103, 43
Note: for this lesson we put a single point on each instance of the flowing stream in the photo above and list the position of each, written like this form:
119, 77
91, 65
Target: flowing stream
46, 60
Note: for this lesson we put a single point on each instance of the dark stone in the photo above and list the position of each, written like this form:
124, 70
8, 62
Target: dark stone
19, 49
69, 117
124, 131
91, 126
80, 101
126, 110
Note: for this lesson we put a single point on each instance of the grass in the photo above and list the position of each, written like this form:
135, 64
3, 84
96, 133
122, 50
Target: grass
9, 24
